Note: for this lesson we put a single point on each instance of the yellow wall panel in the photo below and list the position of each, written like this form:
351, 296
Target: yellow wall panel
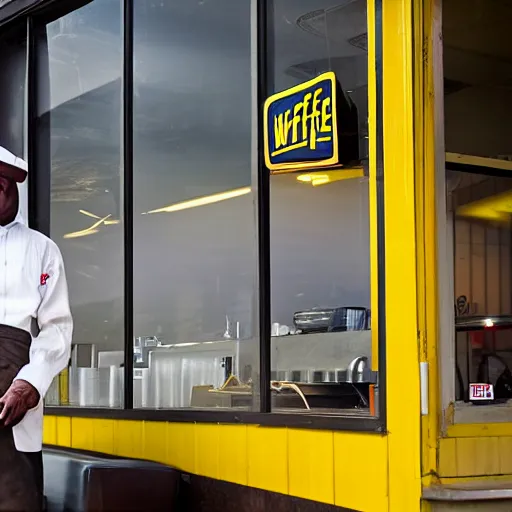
102, 435
505, 451
50, 430
478, 456
181, 446
155, 441
206, 450
129, 439
475, 457
81, 433
447, 457
233, 453
268, 458
361, 471
63, 431
348, 469
311, 464
479, 430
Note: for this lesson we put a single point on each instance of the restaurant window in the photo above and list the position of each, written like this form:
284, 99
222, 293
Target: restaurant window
478, 179
195, 253
79, 149
320, 222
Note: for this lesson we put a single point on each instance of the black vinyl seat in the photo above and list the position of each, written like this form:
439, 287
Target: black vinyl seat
85, 482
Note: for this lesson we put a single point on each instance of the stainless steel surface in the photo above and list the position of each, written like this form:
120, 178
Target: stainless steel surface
363, 375
172, 375
173, 370
355, 370
472, 491
96, 387
140, 387
317, 319
321, 351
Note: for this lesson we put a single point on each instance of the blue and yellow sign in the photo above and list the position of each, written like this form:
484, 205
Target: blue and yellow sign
301, 126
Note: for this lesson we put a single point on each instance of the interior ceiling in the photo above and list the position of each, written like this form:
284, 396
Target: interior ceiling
340, 29
478, 26
476, 37
308, 41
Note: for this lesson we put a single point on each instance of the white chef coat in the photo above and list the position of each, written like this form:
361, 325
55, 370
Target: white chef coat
33, 286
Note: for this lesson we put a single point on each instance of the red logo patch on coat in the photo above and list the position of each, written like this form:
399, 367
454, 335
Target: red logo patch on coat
44, 278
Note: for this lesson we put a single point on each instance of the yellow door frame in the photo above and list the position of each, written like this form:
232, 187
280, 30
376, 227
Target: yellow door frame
402, 347
450, 452
429, 143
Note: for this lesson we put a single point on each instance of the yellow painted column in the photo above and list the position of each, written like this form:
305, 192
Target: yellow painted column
402, 353
425, 151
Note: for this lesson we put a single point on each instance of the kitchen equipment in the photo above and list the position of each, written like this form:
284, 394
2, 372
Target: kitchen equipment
313, 320
350, 318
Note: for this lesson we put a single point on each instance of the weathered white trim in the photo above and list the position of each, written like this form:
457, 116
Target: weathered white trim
479, 161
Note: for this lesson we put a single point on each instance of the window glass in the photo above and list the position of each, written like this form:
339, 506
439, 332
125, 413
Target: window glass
79, 131
195, 255
13, 112
477, 110
13, 62
482, 253
320, 225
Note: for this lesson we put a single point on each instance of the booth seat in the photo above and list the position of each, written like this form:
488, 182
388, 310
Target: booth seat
77, 481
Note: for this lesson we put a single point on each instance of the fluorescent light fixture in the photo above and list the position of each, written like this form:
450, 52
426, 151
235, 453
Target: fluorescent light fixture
493, 208
106, 221
89, 231
323, 177
202, 201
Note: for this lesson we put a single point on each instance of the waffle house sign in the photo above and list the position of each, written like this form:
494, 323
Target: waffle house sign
301, 126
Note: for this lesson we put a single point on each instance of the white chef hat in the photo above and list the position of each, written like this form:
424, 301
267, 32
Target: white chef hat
12, 166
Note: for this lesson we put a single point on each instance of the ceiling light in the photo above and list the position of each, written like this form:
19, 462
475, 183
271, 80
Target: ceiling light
202, 201
324, 177
89, 231
493, 208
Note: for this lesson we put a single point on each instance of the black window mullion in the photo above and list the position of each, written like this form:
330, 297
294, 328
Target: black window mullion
128, 200
263, 217
381, 243
38, 132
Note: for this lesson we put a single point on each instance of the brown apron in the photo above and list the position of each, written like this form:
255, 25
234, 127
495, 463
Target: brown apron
18, 487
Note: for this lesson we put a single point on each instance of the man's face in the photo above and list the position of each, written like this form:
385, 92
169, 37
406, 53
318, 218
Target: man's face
8, 200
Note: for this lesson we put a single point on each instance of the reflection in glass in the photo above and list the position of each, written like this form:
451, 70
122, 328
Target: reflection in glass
13, 112
479, 218
79, 121
477, 112
320, 232
194, 222
13, 62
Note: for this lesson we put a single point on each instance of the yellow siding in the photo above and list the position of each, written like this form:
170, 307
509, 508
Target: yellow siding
311, 464
475, 456
267, 458
350, 481
233, 464
342, 468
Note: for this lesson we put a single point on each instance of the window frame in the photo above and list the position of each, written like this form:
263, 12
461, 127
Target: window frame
453, 421
37, 14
